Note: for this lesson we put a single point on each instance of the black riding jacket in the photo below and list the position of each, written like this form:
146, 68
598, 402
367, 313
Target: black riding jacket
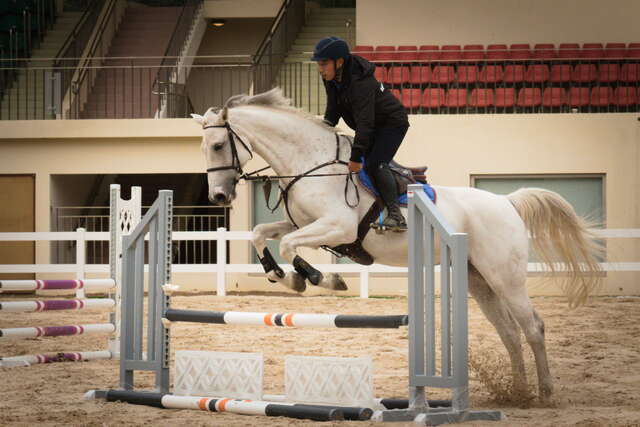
363, 103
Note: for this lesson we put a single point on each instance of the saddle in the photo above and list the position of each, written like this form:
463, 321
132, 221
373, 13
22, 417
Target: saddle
403, 176
406, 175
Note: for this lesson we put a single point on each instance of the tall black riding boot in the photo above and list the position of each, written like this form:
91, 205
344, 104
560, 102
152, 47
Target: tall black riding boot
386, 185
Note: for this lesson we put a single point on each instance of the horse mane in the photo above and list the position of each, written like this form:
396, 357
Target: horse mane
274, 99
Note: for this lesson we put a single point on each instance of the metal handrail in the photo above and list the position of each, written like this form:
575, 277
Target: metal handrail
274, 26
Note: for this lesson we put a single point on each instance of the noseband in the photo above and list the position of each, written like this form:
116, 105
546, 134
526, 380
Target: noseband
235, 160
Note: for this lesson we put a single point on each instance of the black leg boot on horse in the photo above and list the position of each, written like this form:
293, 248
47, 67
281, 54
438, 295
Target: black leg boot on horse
387, 187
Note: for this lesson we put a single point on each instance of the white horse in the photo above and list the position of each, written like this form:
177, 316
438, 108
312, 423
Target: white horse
293, 142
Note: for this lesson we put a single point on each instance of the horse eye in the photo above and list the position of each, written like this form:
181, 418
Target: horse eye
218, 146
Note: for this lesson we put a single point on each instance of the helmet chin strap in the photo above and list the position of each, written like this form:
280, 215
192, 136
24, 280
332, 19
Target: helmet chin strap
337, 70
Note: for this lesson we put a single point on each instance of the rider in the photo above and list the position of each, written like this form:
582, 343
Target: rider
376, 115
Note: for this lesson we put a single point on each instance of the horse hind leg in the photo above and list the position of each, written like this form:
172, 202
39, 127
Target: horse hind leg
508, 330
533, 327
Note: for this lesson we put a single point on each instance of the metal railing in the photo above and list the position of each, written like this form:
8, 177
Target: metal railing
69, 54
277, 42
84, 77
172, 90
18, 40
96, 219
129, 90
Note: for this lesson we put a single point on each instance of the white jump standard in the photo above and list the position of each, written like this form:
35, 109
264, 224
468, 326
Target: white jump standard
424, 222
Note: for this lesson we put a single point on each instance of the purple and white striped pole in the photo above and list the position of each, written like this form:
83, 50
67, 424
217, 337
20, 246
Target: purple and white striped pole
57, 357
35, 285
66, 304
57, 331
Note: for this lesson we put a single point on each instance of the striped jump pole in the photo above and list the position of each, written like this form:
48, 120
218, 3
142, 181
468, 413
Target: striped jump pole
36, 285
297, 320
57, 331
236, 406
49, 305
56, 357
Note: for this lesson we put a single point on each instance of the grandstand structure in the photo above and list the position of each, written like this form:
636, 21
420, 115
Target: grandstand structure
500, 94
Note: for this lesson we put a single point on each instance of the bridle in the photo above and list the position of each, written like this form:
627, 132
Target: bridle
253, 176
235, 160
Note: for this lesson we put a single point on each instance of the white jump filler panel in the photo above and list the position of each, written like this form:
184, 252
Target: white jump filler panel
216, 374
330, 380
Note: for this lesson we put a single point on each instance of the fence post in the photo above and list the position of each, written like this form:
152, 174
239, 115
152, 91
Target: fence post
364, 282
221, 262
80, 259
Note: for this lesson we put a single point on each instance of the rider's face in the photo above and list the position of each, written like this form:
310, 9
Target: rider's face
327, 68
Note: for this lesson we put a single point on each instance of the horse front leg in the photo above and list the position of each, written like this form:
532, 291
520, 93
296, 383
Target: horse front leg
275, 230
324, 231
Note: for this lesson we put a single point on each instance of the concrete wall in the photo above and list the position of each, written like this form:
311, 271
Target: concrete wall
456, 147
241, 8
496, 21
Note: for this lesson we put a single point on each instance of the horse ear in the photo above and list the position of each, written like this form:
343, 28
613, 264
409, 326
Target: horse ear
198, 118
224, 114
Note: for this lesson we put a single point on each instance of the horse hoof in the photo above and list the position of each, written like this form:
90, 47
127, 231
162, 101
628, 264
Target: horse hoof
334, 282
297, 282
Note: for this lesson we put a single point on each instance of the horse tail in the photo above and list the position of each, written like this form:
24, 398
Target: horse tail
560, 236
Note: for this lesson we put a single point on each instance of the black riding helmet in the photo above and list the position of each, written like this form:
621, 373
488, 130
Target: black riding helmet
330, 48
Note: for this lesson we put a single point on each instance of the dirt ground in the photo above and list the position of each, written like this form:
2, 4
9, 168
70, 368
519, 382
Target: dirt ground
594, 354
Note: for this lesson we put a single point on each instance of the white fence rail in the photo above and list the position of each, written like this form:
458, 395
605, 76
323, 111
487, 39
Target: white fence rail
222, 236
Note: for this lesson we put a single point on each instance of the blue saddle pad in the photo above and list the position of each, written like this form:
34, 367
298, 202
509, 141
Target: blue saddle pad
402, 198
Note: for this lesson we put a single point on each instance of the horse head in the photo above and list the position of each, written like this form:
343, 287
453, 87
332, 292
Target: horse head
225, 154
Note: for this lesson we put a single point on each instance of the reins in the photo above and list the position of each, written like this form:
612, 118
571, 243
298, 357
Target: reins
284, 192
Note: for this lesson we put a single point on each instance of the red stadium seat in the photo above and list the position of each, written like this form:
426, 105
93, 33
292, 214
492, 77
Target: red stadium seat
456, 98
583, 73
420, 75
592, 50
615, 50
514, 73
505, 97
497, 52
579, 96
407, 53
630, 73
433, 98
396, 93
520, 51
491, 74
633, 50
467, 73
529, 97
473, 52
569, 51
443, 74
601, 96
365, 52
625, 95
385, 53
560, 73
481, 98
608, 73
544, 51
411, 98
398, 75
429, 52
554, 97
380, 74
537, 73
451, 52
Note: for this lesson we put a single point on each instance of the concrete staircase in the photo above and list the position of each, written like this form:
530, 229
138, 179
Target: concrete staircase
25, 99
299, 77
126, 91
